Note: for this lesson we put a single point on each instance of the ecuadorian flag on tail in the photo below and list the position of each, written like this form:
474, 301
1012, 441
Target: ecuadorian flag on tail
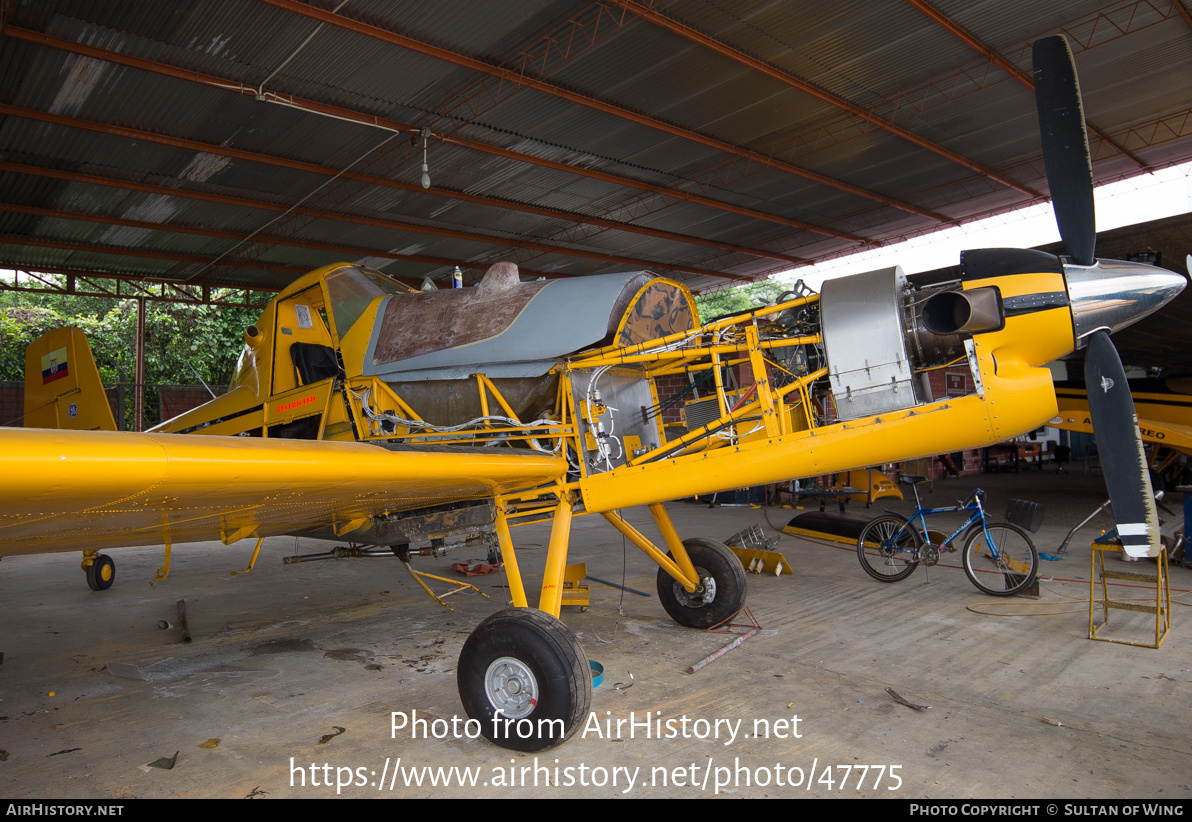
54, 366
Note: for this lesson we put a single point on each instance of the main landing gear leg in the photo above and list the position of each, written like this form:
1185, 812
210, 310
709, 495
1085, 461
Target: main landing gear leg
522, 673
517, 591
701, 583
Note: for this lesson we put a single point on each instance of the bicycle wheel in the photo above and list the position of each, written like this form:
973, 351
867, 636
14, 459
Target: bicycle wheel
889, 549
1002, 563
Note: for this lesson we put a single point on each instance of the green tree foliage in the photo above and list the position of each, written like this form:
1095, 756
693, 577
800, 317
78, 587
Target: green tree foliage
714, 304
181, 340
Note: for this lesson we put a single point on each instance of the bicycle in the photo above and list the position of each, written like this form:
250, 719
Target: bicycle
999, 558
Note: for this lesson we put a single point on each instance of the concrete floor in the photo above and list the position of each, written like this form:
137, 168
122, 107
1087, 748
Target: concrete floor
298, 665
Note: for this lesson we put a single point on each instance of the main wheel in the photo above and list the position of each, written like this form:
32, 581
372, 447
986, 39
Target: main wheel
889, 548
1009, 569
721, 592
101, 573
524, 676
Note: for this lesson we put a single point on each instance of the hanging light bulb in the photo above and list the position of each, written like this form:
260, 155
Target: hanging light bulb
425, 167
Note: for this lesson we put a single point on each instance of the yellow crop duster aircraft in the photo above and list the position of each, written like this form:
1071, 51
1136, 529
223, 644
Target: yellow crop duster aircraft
366, 412
1164, 411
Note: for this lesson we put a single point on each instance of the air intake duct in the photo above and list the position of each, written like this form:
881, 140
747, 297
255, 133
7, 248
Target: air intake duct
964, 312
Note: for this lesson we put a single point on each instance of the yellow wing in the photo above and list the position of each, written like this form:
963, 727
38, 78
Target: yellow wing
1163, 418
75, 490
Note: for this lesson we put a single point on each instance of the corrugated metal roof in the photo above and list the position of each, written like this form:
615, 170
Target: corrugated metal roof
571, 160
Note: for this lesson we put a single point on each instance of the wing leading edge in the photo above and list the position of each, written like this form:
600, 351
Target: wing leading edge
76, 490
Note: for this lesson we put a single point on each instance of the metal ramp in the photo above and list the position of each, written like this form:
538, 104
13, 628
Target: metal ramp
753, 548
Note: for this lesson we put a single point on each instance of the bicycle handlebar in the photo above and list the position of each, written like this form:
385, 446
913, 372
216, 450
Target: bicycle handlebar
978, 494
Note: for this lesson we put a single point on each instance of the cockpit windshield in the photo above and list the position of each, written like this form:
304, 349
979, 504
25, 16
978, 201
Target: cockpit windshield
352, 289
246, 370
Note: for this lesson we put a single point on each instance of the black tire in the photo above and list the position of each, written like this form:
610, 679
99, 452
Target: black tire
526, 669
721, 594
1015, 568
888, 548
101, 573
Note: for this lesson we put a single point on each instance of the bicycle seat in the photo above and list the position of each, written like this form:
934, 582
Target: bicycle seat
910, 479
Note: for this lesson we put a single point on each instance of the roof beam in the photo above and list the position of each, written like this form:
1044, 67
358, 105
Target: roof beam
580, 33
141, 287
384, 35
347, 251
944, 22
147, 253
327, 171
483, 239
688, 33
1094, 29
1182, 10
362, 118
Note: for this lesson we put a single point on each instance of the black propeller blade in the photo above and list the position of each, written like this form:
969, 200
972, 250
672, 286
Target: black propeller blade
1070, 178
1123, 460
1065, 146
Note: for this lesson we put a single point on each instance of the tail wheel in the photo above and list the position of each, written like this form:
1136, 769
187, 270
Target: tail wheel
523, 675
101, 573
721, 592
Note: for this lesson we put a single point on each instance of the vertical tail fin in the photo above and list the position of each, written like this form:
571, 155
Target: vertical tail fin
62, 385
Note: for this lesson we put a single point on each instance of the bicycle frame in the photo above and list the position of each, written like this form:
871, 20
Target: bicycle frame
978, 514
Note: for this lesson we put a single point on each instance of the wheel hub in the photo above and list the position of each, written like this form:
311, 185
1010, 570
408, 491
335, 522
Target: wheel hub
703, 595
511, 687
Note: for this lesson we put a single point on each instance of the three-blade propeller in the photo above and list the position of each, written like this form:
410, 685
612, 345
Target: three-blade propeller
1070, 178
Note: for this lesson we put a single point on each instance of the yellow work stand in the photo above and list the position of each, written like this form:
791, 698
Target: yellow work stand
575, 591
1161, 609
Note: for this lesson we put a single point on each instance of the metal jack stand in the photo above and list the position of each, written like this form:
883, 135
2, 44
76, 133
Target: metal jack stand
459, 586
1161, 609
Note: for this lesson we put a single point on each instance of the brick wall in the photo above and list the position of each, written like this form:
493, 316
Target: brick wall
667, 387
950, 382
954, 382
178, 399
12, 402
175, 400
